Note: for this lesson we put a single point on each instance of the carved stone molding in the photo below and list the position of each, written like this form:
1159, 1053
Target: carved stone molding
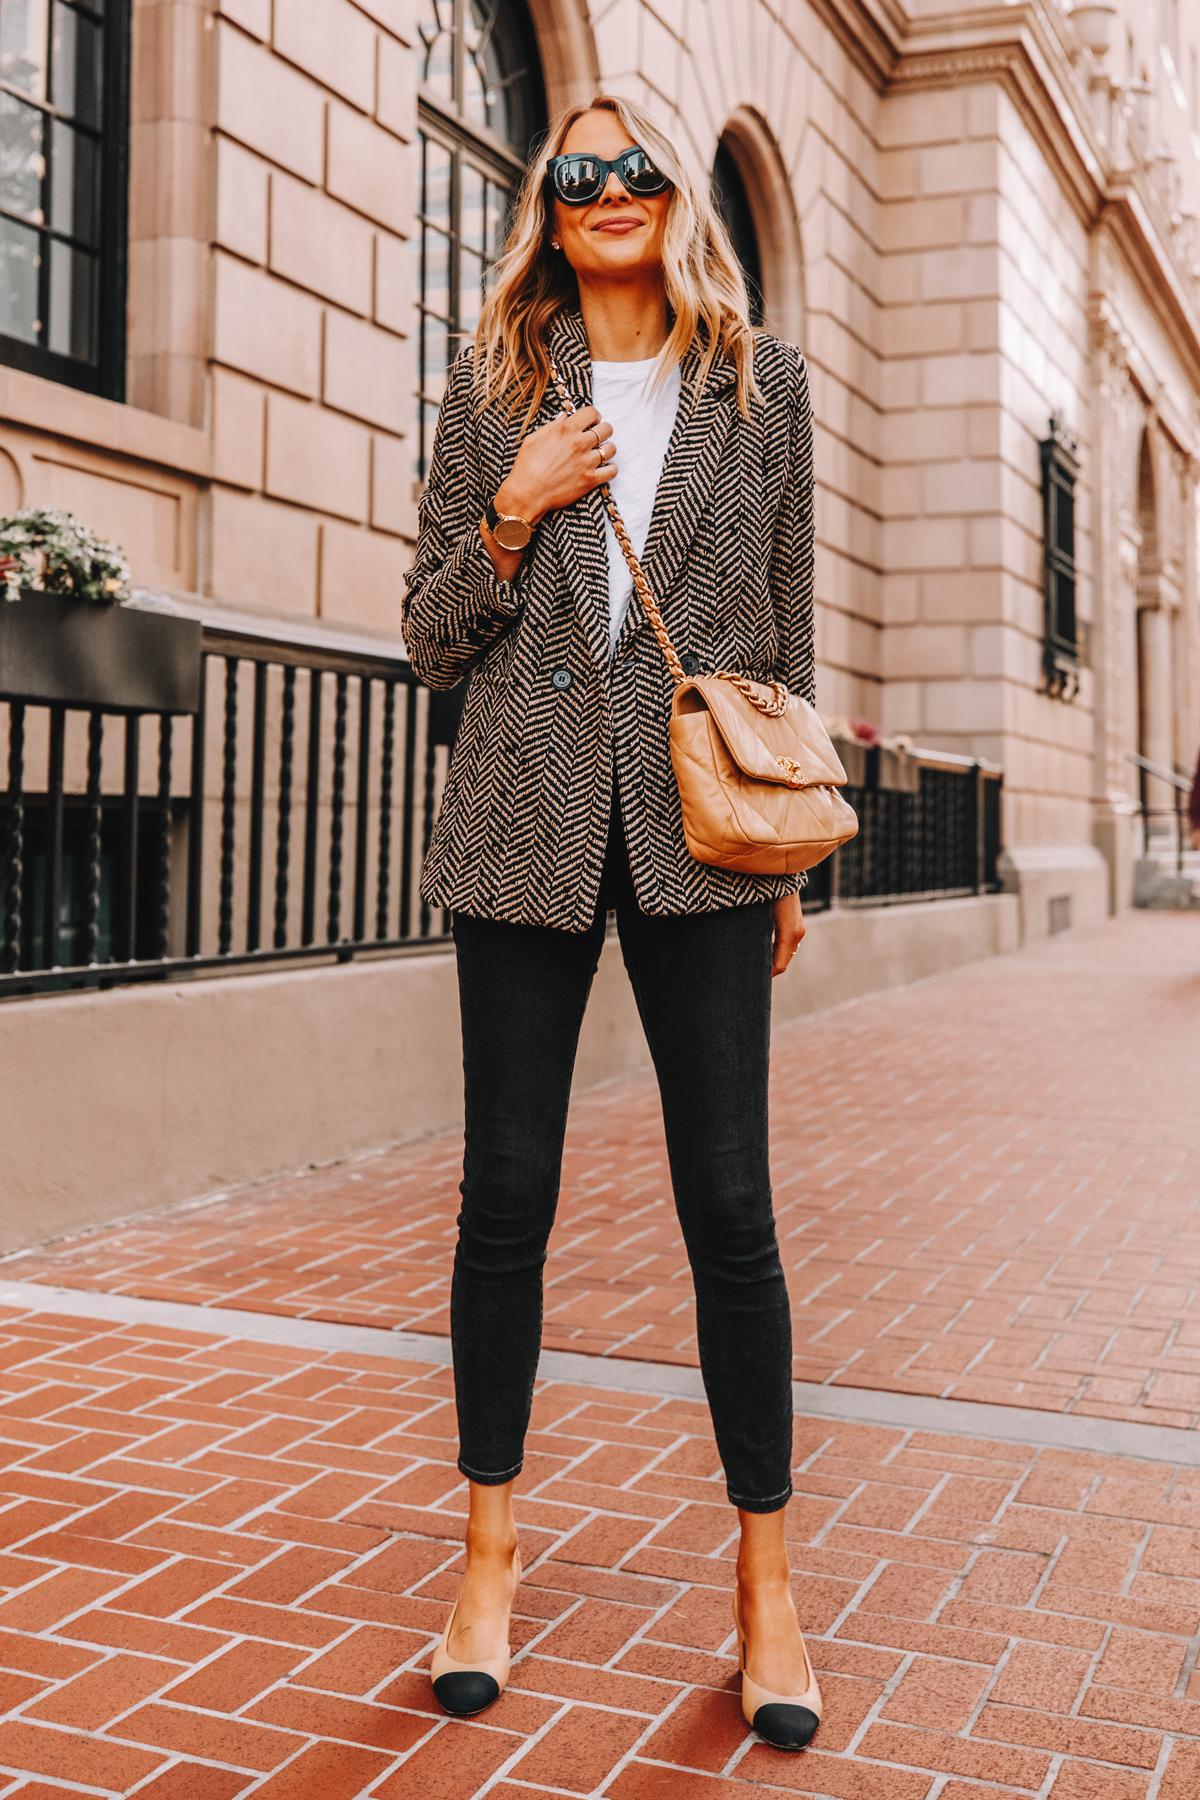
1032, 52
1023, 46
1109, 338
871, 33
952, 68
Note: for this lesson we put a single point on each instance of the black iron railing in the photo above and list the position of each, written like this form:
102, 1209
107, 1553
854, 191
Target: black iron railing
288, 817
928, 829
1176, 828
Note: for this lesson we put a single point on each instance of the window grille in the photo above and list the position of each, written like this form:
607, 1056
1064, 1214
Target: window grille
64, 131
1060, 650
1059, 913
481, 102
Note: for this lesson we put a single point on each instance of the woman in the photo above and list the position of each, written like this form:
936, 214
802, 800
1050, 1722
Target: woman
560, 804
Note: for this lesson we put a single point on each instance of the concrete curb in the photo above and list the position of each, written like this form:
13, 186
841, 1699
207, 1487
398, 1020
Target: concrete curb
865, 1406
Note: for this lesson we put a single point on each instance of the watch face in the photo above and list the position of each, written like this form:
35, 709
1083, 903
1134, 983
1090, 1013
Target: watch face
511, 534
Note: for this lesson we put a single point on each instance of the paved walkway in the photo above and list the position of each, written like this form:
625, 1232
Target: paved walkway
224, 1562
988, 1187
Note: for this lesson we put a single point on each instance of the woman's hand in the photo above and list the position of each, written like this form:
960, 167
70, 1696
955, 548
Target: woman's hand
556, 465
789, 929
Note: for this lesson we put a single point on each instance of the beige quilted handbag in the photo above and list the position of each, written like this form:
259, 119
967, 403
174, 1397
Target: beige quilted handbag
757, 773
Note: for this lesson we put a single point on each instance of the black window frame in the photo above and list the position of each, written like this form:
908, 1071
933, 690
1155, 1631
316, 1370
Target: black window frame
442, 121
1060, 574
106, 376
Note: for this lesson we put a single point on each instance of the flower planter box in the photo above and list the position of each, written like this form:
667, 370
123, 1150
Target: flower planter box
873, 766
54, 648
889, 770
853, 758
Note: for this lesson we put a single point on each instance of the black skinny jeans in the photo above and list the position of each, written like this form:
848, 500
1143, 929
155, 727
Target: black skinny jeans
703, 988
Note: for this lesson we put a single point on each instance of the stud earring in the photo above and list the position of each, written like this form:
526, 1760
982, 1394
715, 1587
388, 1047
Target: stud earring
554, 244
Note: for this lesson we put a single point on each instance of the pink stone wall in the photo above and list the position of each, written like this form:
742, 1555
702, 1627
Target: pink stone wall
311, 507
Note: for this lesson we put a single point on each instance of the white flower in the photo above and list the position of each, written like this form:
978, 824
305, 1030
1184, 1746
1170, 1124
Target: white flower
54, 552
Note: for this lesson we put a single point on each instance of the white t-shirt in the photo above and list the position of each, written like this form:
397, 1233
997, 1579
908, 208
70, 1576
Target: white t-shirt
642, 424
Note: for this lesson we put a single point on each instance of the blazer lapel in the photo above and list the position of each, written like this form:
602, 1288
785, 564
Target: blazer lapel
688, 473
578, 530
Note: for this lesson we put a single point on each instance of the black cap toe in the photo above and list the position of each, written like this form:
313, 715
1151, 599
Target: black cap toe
786, 1727
466, 1691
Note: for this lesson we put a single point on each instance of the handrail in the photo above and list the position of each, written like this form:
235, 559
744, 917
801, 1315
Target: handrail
1153, 768
320, 638
944, 759
1174, 812
952, 760
275, 646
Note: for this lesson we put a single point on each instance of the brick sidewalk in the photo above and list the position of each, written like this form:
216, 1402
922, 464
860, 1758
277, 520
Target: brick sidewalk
224, 1565
987, 1188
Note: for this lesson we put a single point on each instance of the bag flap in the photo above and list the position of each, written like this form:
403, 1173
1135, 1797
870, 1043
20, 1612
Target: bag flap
757, 742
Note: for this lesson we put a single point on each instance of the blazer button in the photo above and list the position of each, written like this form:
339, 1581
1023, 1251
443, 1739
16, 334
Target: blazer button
690, 663
562, 679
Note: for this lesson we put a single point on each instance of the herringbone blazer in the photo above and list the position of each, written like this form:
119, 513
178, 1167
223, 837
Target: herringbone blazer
524, 818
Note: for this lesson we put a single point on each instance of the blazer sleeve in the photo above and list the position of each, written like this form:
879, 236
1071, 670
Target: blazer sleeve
791, 570
792, 554
455, 604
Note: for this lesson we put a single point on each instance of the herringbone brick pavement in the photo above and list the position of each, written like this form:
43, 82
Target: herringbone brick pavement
987, 1186
223, 1566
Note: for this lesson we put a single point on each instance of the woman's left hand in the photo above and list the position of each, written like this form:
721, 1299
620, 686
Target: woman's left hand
789, 929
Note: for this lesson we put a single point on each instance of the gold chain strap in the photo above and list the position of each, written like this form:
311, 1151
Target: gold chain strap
774, 704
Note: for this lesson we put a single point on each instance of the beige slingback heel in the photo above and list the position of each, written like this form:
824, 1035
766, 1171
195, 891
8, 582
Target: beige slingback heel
466, 1688
786, 1721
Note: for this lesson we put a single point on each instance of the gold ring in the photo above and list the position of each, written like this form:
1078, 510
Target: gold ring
596, 435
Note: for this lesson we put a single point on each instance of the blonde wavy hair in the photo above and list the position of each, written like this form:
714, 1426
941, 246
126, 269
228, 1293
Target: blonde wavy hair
705, 288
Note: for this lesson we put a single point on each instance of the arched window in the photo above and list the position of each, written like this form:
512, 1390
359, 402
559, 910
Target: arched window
481, 102
733, 203
753, 194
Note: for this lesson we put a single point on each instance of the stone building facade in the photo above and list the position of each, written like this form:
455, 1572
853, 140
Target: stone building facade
971, 218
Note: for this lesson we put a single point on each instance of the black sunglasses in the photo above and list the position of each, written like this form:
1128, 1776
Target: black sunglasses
578, 180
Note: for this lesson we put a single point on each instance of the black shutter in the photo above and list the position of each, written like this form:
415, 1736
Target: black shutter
1060, 650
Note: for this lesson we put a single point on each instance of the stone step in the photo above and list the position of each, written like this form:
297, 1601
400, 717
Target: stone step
1158, 884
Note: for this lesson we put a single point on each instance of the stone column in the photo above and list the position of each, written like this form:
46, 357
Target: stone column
170, 206
1115, 542
1157, 695
1187, 627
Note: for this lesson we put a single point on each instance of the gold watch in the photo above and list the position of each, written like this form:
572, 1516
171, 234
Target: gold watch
509, 531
